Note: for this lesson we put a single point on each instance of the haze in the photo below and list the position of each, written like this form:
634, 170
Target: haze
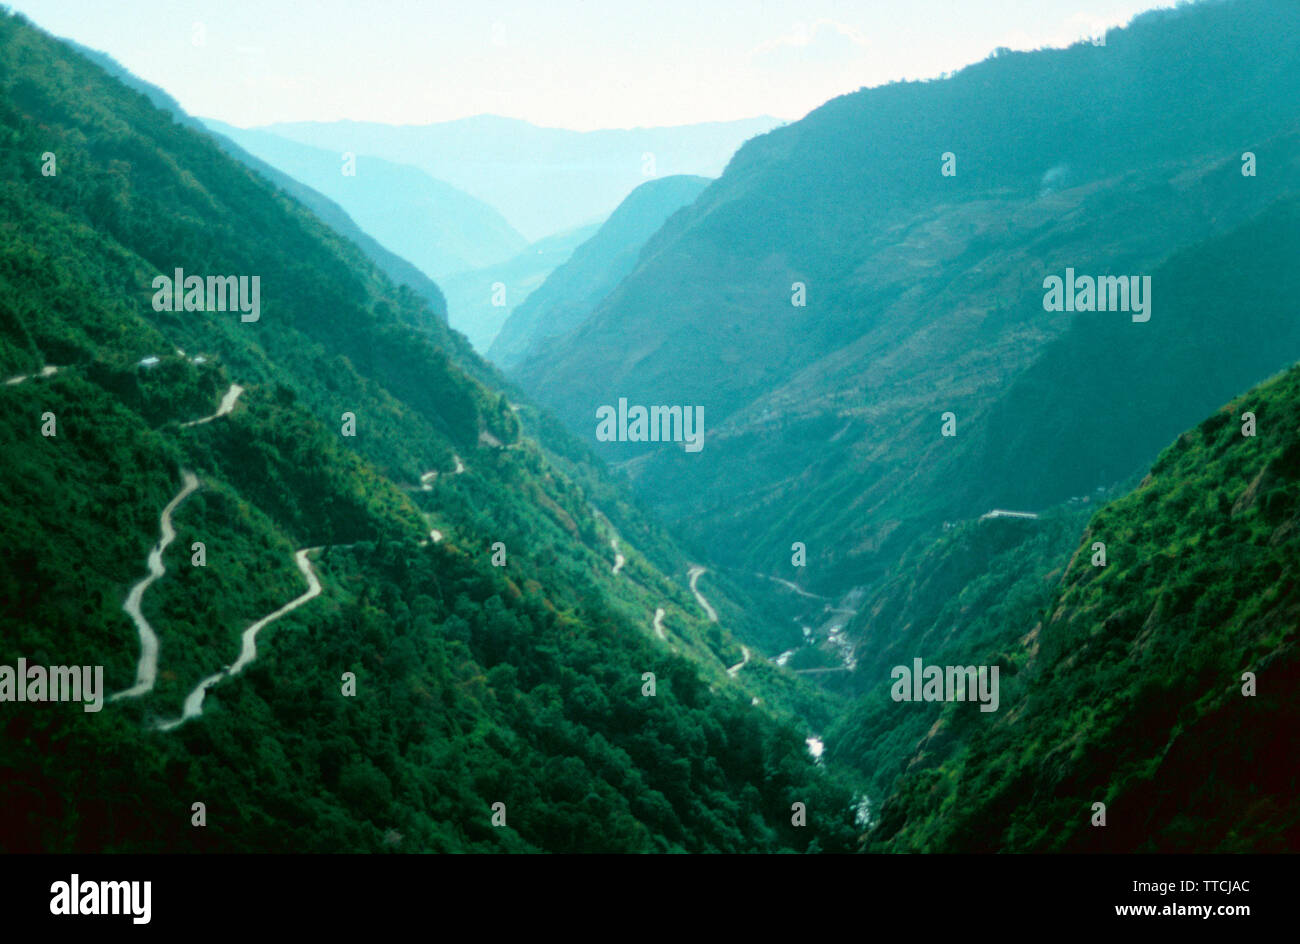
564, 63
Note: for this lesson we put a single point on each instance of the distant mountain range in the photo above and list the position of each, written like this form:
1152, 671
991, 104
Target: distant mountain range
395, 267
923, 294
439, 228
487, 268
572, 291
543, 180
481, 301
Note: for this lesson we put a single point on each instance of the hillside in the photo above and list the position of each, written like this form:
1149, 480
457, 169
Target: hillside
441, 229
350, 469
924, 294
970, 593
397, 269
351, 586
1131, 689
574, 289
961, 598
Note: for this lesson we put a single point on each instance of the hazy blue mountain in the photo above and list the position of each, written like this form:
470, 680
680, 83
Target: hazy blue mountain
925, 293
478, 309
438, 227
571, 292
544, 180
395, 267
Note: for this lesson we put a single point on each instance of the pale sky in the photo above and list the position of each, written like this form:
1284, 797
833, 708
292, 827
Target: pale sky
559, 63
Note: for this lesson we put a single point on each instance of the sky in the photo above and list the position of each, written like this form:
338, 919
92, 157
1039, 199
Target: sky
558, 63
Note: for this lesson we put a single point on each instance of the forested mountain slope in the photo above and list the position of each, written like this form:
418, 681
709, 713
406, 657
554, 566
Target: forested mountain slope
399, 270
917, 223
393, 706
971, 592
1161, 683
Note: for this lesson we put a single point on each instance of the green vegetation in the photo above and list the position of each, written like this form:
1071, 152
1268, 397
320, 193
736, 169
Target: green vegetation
1129, 689
475, 684
974, 595
964, 598
523, 684
924, 293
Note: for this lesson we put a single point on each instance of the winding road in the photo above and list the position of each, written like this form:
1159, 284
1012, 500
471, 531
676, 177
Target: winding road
147, 671
694, 573
792, 586
227, 404
248, 649
426, 480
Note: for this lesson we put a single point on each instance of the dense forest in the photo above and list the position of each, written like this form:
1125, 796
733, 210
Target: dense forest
475, 634
1133, 693
465, 673
1160, 684
922, 293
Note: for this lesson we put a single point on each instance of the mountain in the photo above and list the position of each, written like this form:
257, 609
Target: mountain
396, 268
1159, 682
544, 180
440, 229
481, 301
343, 588
595, 268
1120, 674
924, 295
